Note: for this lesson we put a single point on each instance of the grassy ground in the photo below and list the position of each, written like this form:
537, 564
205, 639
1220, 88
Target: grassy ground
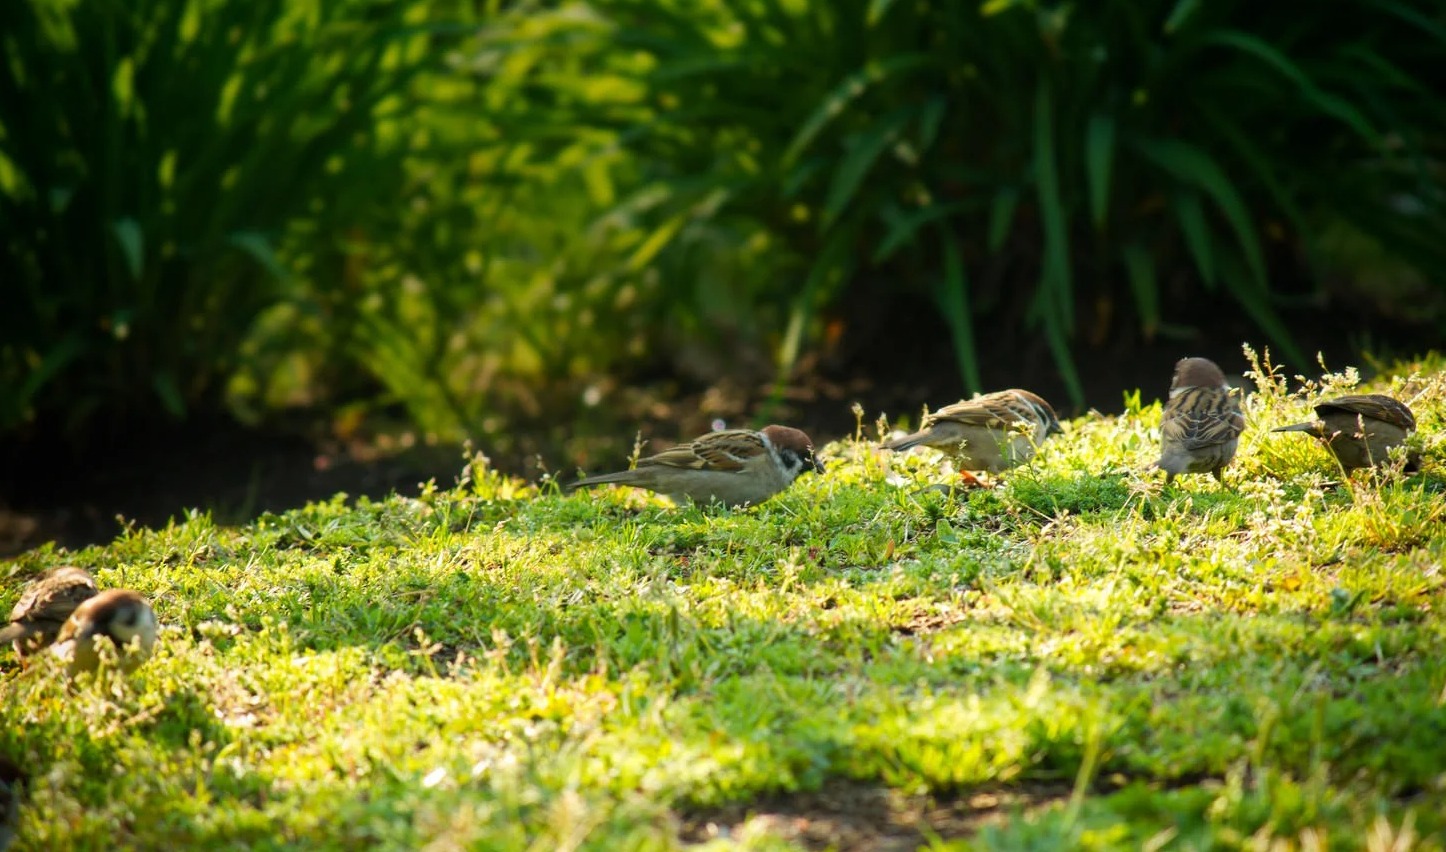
1076, 659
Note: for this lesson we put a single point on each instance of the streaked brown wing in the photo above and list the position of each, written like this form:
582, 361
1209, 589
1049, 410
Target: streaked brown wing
722, 451
1202, 417
1374, 405
53, 592
995, 411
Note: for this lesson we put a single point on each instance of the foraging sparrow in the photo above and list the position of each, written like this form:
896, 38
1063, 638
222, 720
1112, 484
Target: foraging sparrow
1361, 429
990, 433
736, 467
46, 604
119, 615
1201, 425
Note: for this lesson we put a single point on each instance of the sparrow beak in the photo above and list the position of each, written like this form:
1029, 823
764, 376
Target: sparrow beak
817, 465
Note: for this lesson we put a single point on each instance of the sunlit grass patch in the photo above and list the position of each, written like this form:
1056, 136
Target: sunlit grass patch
497, 665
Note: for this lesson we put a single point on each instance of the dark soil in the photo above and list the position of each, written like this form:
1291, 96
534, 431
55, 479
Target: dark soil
851, 817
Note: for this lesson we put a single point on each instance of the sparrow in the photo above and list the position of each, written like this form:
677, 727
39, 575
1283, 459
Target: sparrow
736, 467
120, 615
1361, 429
988, 433
1201, 424
48, 601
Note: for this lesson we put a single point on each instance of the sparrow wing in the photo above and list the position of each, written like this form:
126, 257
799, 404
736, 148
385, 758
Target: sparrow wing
999, 410
1373, 405
54, 596
1202, 417
729, 450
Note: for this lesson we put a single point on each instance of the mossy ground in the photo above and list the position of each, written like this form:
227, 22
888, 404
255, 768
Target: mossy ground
1078, 658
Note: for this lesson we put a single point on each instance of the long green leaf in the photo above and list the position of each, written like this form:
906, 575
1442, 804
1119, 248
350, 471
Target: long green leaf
850, 89
904, 230
1325, 101
1190, 213
1256, 304
1056, 280
1099, 159
128, 236
1001, 216
860, 159
1193, 166
1140, 271
952, 294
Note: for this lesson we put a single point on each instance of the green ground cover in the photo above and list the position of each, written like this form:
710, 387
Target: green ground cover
1077, 658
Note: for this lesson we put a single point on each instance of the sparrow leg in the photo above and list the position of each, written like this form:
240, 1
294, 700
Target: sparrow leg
970, 480
1219, 474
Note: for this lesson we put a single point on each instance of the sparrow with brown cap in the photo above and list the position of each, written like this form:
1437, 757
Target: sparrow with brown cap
120, 618
735, 467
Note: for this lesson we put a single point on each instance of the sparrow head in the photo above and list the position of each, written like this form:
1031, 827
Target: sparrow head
1043, 412
795, 450
1197, 373
66, 575
121, 615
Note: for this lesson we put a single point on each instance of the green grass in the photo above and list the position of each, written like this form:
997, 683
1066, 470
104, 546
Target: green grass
496, 666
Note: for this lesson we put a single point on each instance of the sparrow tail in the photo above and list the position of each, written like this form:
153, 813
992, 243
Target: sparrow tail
600, 479
15, 632
1308, 426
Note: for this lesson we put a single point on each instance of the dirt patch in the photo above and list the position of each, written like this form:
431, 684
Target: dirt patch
853, 817
931, 621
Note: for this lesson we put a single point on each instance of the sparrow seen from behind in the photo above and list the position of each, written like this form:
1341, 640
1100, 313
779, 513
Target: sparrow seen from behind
1201, 425
119, 615
47, 602
736, 467
1361, 429
991, 433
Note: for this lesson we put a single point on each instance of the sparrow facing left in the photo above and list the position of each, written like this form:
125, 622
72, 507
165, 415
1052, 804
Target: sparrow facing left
1361, 429
48, 601
990, 433
120, 615
736, 467
1202, 422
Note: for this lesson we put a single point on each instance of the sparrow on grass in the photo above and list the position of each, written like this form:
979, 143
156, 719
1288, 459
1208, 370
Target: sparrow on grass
1361, 429
119, 615
736, 467
990, 433
1202, 422
47, 602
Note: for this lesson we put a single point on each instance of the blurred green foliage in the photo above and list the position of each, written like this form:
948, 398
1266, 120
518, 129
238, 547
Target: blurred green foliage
153, 158
466, 209
1019, 160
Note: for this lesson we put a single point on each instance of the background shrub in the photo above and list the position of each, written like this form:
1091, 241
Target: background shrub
1034, 165
466, 213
